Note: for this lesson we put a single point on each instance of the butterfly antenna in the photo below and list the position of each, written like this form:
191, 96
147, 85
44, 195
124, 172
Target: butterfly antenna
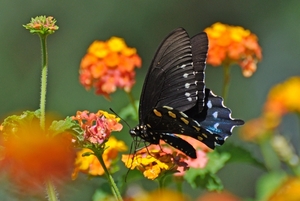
119, 117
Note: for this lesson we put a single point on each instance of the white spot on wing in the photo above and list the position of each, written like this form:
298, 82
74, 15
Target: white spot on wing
185, 75
197, 123
215, 114
187, 85
216, 125
187, 94
189, 99
167, 107
184, 115
209, 105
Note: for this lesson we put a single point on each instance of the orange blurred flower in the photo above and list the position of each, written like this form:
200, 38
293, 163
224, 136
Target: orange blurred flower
258, 129
97, 127
31, 156
288, 191
284, 98
233, 44
219, 196
154, 161
90, 164
109, 65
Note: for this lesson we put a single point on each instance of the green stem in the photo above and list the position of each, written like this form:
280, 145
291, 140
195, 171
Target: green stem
132, 101
113, 185
226, 81
161, 181
43, 79
271, 160
51, 191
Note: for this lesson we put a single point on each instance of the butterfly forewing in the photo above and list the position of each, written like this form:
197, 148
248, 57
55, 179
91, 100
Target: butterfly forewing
171, 78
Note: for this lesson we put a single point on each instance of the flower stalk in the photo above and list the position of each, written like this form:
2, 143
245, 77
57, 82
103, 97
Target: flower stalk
113, 185
43, 79
51, 193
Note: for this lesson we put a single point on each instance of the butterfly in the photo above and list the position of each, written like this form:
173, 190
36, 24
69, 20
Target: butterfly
174, 99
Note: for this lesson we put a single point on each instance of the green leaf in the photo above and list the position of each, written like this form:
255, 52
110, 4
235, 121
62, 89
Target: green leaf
12, 123
61, 126
240, 154
206, 177
129, 112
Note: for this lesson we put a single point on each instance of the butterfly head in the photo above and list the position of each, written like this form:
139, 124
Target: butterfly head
138, 131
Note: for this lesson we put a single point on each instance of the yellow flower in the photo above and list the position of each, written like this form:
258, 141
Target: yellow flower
153, 162
116, 44
233, 44
99, 49
89, 163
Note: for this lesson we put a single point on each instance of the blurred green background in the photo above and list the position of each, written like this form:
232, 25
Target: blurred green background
143, 24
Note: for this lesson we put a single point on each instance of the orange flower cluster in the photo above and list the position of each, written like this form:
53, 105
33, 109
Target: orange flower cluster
98, 126
108, 65
31, 156
91, 165
233, 44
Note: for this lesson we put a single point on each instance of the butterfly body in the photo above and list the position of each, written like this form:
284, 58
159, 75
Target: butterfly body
174, 98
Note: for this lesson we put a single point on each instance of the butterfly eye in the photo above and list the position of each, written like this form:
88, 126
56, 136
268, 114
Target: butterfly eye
132, 133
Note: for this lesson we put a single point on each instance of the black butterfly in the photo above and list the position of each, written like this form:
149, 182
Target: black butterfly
174, 98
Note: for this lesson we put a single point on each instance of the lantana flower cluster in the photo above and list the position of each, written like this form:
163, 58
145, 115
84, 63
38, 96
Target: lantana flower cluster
97, 128
233, 44
158, 160
109, 65
42, 25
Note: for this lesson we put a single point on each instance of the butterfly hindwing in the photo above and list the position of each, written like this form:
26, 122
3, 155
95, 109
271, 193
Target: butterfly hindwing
179, 144
168, 120
218, 118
